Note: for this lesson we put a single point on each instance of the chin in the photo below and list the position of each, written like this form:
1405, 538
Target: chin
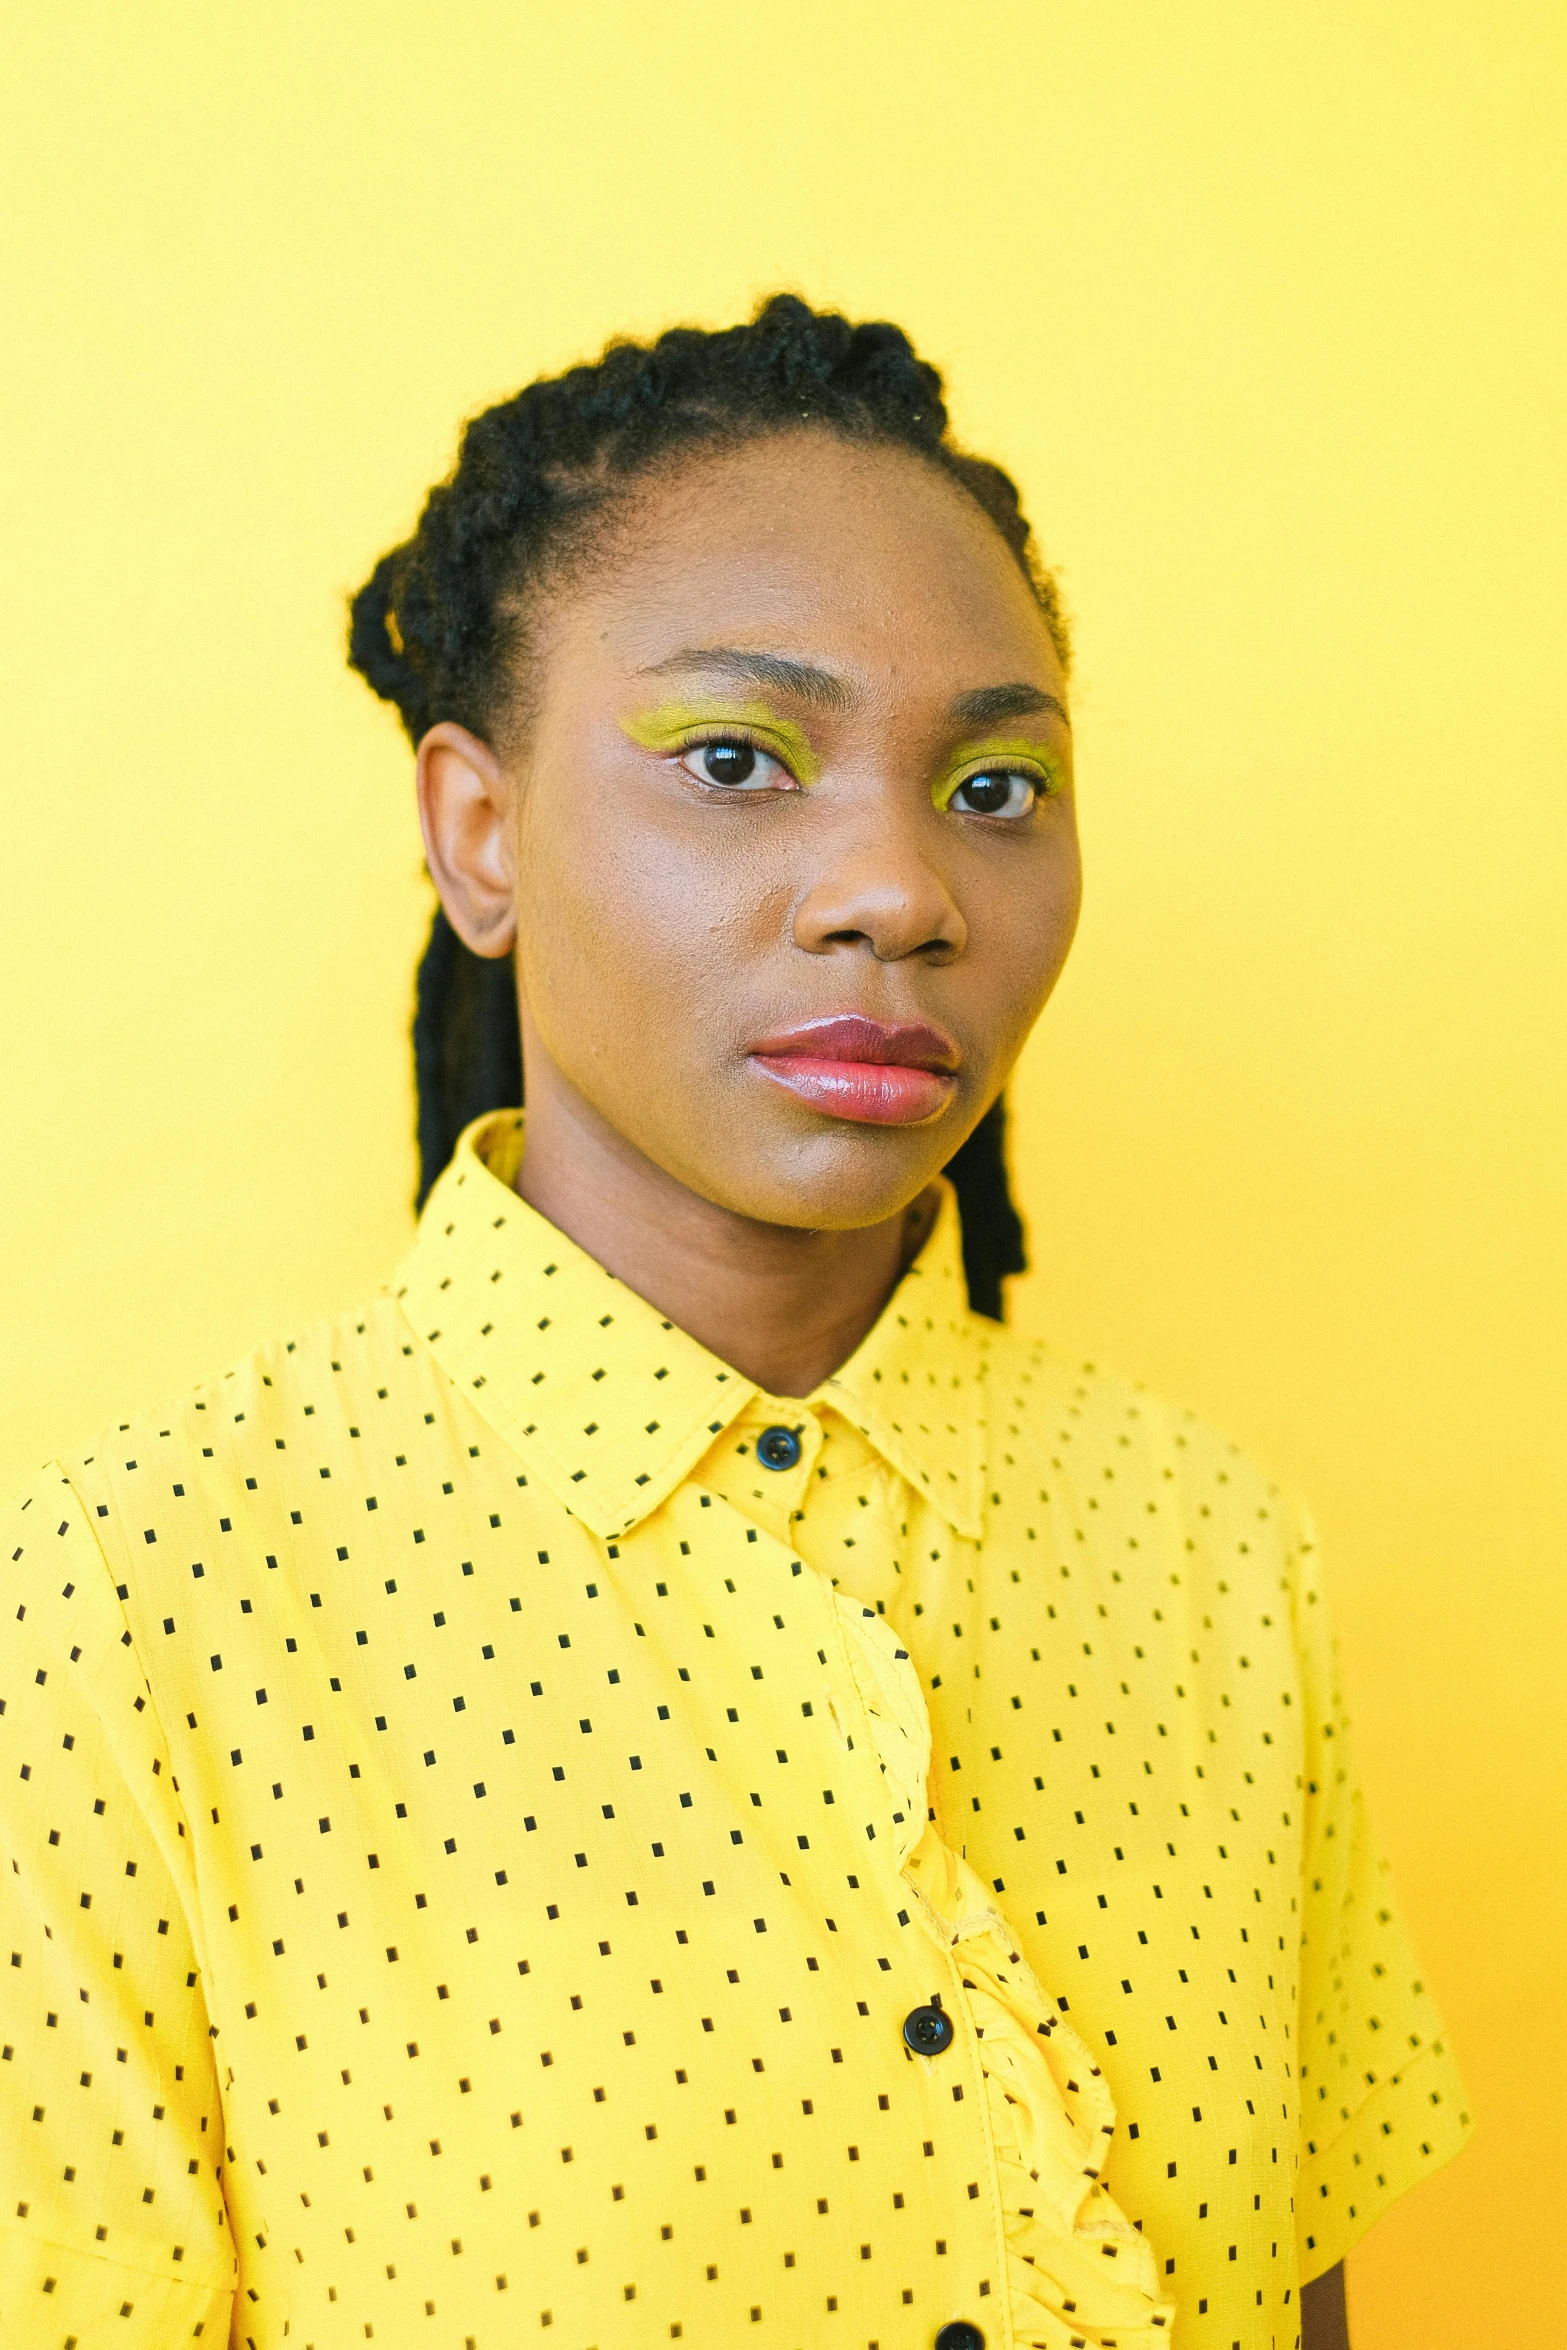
842, 1180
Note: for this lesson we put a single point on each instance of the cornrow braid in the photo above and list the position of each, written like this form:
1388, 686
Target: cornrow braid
439, 628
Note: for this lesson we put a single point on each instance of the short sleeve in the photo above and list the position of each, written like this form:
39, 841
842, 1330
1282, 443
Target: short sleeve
1382, 2105
112, 2218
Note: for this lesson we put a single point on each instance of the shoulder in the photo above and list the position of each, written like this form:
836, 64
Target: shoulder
152, 1483
1134, 1478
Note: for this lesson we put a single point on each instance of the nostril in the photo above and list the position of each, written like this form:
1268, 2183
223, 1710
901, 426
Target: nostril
892, 914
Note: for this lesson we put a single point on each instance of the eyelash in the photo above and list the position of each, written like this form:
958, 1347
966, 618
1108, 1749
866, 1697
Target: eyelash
1042, 784
737, 735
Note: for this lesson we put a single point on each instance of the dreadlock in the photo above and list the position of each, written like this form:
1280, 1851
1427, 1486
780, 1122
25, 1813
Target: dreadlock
438, 629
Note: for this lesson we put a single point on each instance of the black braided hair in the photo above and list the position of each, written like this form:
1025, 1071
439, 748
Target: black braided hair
439, 627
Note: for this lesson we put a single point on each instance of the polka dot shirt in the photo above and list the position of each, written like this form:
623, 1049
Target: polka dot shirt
510, 1830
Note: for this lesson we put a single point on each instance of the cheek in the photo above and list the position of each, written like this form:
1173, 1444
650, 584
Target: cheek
626, 933
1030, 931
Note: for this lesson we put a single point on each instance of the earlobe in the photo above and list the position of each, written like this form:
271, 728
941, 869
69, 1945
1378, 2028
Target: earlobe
467, 818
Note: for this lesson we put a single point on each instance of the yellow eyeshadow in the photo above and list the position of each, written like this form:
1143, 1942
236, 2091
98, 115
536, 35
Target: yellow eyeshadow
674, 726
1028, 758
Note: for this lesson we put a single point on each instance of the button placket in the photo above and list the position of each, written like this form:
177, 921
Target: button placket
958, 2065
769, 1494
870, 1694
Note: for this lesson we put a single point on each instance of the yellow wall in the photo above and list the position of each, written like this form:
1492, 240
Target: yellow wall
1265, 306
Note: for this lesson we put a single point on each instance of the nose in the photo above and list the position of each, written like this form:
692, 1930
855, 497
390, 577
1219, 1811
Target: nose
884, 894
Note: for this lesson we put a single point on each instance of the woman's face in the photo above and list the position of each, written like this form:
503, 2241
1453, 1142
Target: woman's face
788, 846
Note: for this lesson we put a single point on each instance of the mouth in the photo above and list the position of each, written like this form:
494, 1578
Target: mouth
872, 1072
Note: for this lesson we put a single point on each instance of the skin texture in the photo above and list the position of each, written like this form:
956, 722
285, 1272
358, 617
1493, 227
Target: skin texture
663, 925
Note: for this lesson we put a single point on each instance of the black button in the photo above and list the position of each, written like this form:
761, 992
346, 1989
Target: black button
960, 2335
928, 2031
778, 1448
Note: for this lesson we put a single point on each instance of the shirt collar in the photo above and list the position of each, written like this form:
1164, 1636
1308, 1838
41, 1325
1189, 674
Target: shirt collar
610, 1405
914, 1386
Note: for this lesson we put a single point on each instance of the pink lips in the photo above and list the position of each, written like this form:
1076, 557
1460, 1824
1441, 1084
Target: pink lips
872, 1071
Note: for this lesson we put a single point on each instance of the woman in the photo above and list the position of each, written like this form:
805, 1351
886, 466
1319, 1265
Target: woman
666, 1775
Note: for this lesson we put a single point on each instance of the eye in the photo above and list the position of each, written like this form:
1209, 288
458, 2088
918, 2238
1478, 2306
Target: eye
734, 764
996, 791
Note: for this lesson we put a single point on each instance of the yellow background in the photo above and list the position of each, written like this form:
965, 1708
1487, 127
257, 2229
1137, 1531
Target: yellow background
1265, 307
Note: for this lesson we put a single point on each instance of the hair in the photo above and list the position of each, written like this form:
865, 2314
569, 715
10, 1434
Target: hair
439, 629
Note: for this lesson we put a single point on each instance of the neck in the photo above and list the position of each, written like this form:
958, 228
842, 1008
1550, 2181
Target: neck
783, 1307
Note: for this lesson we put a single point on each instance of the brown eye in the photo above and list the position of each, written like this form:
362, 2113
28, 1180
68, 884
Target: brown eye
998, 791
729, 763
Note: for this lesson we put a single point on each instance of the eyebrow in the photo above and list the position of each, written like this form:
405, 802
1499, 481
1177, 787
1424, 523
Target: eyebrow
799, 678
986, 705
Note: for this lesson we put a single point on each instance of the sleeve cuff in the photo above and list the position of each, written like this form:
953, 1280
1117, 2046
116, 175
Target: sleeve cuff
1406, 2129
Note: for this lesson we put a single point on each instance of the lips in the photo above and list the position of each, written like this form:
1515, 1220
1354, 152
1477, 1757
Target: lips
873, 1072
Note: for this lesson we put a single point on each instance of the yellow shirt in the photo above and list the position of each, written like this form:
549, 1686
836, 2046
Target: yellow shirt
479, 1811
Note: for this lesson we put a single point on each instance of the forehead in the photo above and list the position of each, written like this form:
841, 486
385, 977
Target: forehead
862, 557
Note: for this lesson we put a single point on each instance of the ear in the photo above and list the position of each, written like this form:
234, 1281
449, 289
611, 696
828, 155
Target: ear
466, 816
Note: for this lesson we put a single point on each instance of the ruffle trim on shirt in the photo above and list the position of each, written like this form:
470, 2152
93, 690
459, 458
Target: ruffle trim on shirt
1079, 2275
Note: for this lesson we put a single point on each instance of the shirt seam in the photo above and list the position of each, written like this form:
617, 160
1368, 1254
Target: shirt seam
1314, 2162
194, 1923
111, 2260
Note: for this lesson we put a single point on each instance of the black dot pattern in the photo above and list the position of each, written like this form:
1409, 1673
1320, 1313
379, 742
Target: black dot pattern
474, 1833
